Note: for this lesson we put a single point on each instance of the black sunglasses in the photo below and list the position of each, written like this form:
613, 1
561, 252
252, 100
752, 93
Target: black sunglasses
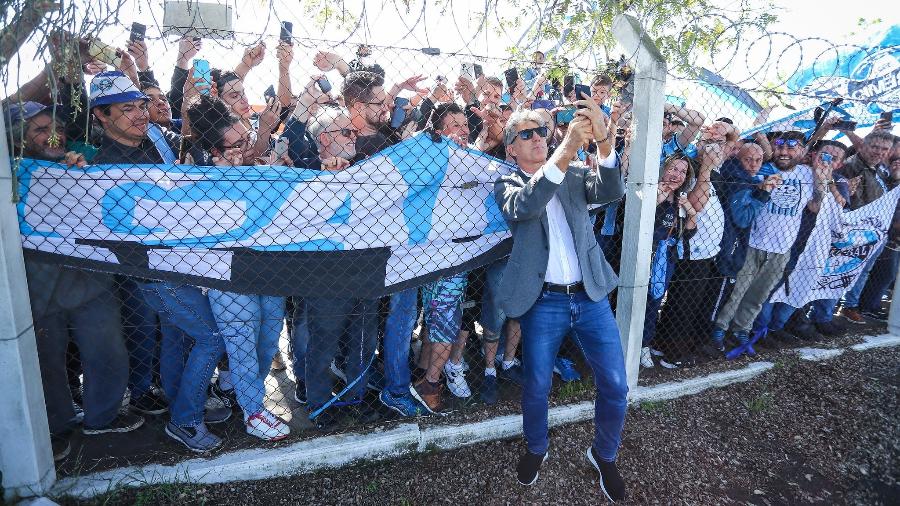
528, 132
791, 143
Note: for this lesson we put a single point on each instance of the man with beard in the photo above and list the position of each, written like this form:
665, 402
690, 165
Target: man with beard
774, 232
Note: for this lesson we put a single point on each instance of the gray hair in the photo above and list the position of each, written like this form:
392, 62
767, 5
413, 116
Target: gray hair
521, 116
323, 119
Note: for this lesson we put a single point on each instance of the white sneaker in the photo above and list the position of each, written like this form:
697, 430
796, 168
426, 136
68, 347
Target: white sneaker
337, 371
646, 358
267, 426
456, 380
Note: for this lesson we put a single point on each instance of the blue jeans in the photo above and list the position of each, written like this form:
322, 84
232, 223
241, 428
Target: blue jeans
96, 327
851, 299
822, 310
328, 319
593, 327
299, 339
250, 326
398, 329
773, 315
140, 323
187, 308
881, 278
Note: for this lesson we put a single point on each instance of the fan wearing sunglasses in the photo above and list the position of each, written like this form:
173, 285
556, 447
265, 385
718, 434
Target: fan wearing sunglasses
557, 281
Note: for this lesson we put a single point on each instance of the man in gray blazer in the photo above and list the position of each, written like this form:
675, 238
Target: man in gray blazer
557, 281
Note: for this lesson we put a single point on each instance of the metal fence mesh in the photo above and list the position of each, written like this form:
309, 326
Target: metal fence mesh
327, 255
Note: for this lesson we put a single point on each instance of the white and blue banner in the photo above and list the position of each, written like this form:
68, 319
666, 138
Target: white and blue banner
838, 248
411, 213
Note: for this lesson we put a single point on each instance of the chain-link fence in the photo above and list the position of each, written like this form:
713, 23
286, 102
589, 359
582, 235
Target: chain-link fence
223, 267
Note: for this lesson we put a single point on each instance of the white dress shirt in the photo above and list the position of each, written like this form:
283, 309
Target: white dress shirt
562, 265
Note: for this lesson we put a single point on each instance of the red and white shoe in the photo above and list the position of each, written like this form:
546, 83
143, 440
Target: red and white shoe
266, 426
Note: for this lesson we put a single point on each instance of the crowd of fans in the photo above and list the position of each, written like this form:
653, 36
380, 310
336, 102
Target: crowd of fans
732, 215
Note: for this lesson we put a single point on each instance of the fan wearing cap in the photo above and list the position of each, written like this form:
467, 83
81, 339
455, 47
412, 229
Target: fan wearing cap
798, 187
128, 136
34, 132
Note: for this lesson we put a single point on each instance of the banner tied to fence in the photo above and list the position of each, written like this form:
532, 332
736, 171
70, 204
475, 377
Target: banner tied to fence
412, 213
846, 240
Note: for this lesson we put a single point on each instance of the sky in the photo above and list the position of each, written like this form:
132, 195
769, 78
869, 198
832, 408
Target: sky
454, 28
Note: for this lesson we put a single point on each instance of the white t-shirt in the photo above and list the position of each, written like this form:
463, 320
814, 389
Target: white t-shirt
710, 226
777, 225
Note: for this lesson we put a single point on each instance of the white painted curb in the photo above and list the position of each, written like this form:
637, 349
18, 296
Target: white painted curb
818, 354
881, 341
399, 440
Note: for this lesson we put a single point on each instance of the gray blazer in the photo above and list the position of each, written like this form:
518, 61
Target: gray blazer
523, 200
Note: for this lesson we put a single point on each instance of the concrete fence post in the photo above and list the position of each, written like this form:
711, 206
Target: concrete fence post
640, 190
26, 458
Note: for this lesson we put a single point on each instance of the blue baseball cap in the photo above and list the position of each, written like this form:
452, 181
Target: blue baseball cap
113, 88
22, 111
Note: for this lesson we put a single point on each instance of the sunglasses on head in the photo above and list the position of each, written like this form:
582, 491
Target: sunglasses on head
526, 134
791, 143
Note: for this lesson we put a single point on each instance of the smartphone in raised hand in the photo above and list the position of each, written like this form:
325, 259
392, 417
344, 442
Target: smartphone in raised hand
323, 84
105, 53
398, 116
203, 73
287, 30
138, 32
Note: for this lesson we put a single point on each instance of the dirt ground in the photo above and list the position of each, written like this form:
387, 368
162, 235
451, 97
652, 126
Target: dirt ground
803, 433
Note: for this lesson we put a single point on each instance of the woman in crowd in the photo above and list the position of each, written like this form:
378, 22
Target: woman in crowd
675, 224
249, 324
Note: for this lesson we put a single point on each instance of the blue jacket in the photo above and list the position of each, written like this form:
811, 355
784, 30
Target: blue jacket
742, 201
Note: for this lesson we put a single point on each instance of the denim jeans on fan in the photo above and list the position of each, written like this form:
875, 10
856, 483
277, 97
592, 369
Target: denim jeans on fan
851, 299
96, 328
822, 310
398, 329
773, 315
187, 308
250, 326
328, 319
140, 323
594, 329
881, 278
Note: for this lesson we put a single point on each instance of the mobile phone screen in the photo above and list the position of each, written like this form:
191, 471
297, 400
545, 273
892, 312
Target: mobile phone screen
565, 116
287, 29
138, 31
399, 114
202, 72
324, 84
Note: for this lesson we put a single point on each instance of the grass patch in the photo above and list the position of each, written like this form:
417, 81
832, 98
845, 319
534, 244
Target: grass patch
575, 389
760, 404
655, 407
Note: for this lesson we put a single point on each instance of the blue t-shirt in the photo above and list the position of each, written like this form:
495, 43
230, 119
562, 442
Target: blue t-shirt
671, 147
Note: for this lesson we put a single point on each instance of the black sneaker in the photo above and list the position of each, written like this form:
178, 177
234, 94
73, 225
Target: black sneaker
228, 398
61, 447
150, 403
829, 328
879, 315
124, 422
678, 363
529, 467
328, 420
806, 333
611, 482
784, 337
300, 393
